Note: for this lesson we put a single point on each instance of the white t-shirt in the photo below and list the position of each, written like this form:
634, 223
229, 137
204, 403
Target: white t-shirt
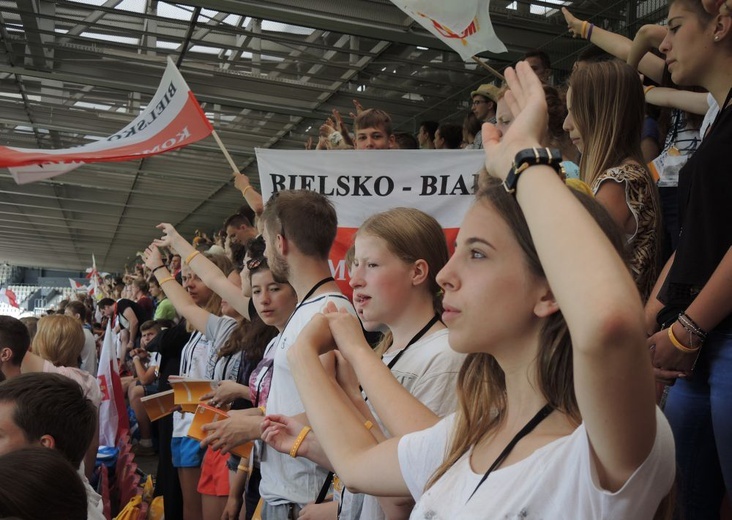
199, 360
428, 370
219, 328
88, 383
193, 363
89, 353
285, 479
710, 116
558, 481
94, 503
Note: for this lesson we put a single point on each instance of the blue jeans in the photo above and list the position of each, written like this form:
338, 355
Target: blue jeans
699, 410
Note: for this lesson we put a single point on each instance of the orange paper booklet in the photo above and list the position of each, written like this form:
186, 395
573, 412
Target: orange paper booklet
206, 414
158, 405
188, 392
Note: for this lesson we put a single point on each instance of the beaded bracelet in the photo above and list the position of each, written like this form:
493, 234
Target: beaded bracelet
692, 333
191, 257
683, 348
298, 441
686, 320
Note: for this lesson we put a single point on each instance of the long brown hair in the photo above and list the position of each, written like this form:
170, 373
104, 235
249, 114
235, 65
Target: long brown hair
481, 385
608, 108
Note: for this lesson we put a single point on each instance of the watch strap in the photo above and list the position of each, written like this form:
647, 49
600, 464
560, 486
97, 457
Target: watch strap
529, 157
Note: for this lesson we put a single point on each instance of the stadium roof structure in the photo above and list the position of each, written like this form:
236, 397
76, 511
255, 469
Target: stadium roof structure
267, 73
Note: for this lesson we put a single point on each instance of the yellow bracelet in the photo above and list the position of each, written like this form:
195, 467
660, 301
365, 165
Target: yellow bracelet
243, 467
168, 279
298, 441
191, 257
244, 191
263, 410
648, 89
368, 425
584, 30
678, 344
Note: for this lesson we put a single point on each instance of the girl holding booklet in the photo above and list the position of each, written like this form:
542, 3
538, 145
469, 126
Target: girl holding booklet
209, 354
556, 414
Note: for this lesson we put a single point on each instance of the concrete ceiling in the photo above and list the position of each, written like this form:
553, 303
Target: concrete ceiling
267, 73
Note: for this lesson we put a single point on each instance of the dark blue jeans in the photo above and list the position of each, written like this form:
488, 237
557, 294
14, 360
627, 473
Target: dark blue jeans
699, 410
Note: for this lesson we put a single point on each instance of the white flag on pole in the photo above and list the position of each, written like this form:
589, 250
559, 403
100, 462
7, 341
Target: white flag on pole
465, 25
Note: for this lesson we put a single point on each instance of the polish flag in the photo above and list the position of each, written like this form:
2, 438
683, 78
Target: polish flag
7, 296
112, 411
171, 120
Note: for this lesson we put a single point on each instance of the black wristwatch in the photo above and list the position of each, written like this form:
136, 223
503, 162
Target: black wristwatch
529, 157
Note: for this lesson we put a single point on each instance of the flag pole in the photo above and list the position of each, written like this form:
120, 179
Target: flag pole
225, 152
488, 68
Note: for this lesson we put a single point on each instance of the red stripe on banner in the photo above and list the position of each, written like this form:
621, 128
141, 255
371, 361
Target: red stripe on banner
190, 125
343, 241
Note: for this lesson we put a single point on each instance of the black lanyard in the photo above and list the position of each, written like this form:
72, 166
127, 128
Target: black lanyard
302, 302
533, 423
414, 340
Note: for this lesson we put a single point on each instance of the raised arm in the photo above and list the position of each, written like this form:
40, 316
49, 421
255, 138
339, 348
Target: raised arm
362, 464
612, 376
613, 43
694, 102
206, 270
647, 38
177, 295
252, 196
397, 409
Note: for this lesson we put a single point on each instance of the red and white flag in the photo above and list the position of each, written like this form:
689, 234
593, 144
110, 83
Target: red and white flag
112, 411
93, 275
172, 119
8, 296
465, 25
77, 286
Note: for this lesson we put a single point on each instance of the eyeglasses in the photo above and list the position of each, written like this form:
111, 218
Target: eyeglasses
479, 102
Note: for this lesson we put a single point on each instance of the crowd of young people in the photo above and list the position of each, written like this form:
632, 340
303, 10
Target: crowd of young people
514, 379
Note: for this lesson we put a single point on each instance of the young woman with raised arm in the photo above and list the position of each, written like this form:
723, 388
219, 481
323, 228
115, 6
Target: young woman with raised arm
212, 353
206, 270
556, 415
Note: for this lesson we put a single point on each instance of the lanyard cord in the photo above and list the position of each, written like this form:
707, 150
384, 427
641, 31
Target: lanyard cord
414, 340
308, 295
533, 423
